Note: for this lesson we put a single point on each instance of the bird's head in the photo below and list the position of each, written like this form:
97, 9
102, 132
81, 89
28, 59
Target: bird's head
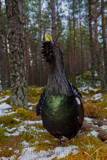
51, 50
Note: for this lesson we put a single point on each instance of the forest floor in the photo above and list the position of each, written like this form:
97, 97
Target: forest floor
22, 136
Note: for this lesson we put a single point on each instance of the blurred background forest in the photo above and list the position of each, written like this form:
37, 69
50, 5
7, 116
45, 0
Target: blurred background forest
79, 27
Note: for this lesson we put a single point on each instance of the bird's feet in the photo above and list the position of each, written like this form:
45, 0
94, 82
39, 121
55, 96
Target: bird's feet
63, 141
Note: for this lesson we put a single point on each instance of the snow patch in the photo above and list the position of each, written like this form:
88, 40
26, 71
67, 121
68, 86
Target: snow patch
4, 106
94, 133
59, 152
33, 122
104, 127
84, 89
30, 108
16, 133
4, 99
32, 104
89, 120
4, 109
16, 119
10, 130
93, 89
46, 141
96, 96
8, 158
25, 144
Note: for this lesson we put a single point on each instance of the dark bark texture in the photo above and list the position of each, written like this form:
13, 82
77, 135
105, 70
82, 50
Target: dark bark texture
2, 66
40, 57
19, 92
73, 55
97, 51
82, 57
91, 46
104, 38
53, 19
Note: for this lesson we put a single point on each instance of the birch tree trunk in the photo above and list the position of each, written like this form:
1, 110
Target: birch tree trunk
19, 96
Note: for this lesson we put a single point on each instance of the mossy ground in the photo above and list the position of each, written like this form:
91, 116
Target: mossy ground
21, 122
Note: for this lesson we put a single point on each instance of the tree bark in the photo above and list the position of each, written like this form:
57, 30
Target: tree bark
73, 55
7, 64
58, 36
40, 56
82, 58
2, 66
104, 40
91, 47
19, 96
53, 19
97, 51
70, 51
27, 49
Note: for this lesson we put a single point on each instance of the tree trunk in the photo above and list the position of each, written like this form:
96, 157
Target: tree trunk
70, 51
73, 55
53, 20
2, 69
91, 47
7, 64
19, 96
97, 51
82, 58
58, 36
40, 57
104, 40
27, 50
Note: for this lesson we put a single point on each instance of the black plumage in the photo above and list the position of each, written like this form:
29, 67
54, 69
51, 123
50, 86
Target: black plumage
60, 104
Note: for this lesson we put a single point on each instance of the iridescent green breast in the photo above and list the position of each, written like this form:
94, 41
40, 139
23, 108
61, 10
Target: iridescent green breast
59, 108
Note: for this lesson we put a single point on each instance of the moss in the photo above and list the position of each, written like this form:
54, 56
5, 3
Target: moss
95, 109
6, 92
33, 92
8, 120
24, 114
8, 101
2, 135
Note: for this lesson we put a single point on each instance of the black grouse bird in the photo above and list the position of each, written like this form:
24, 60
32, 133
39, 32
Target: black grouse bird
60, 104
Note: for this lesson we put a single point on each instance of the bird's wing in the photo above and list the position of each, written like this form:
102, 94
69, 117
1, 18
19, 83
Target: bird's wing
76, 92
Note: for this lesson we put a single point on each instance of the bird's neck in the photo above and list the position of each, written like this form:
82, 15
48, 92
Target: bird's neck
57, 81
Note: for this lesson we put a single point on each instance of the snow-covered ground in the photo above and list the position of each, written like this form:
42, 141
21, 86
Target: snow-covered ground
28, 151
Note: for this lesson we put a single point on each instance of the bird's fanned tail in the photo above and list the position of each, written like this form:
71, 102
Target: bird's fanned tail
40, 104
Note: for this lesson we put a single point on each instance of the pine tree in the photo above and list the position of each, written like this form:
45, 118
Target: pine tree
2, 66
19, 92
73, 55
104, 38
97, 51
91, 45
53, 19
